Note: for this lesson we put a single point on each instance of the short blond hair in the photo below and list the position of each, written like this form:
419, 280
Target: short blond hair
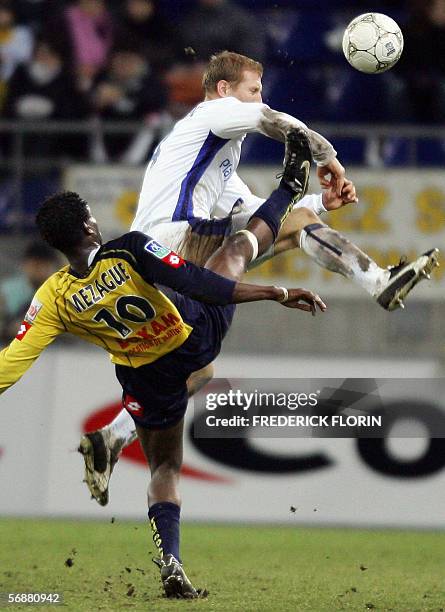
228, 66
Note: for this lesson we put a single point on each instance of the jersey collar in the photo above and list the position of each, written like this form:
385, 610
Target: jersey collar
92, 255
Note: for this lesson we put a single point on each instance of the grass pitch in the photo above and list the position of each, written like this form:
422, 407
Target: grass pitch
261, 569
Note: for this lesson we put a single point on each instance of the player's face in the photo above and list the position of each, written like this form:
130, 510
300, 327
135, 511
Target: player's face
249, 88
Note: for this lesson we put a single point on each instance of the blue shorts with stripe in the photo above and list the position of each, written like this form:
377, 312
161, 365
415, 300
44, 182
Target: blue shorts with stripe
155, 394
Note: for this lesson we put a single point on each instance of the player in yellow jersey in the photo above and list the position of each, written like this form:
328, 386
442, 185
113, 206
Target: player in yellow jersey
192, 197
109, 295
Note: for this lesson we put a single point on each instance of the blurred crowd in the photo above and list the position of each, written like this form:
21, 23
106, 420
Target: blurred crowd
37, 263
142, 60
113, 60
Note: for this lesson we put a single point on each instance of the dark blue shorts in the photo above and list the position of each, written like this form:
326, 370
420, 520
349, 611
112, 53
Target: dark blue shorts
156, 394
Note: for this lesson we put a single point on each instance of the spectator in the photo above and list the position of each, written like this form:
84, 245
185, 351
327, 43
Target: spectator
43, 90
129, 90
35, 12
84, 33
211, 26
423, 60
184, 83
15, 41
16, 292
141, 22
215, 25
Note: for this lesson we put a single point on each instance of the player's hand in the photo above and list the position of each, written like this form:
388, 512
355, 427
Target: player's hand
304, 300
331, 201
332, 175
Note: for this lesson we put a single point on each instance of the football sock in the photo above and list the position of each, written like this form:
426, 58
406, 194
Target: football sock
275, 209
334, 252
164, 523
122, 427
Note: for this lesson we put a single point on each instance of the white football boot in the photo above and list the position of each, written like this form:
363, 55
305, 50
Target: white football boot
100, 452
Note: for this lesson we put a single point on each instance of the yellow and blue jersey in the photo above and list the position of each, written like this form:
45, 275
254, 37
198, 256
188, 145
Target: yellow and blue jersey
122, 303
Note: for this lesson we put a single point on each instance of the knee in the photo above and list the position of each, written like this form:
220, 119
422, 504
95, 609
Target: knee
236, 244
199, 379
298, 220
305, 216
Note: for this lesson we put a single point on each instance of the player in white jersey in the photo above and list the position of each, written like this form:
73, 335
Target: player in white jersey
192, 198
192, 175
193, 170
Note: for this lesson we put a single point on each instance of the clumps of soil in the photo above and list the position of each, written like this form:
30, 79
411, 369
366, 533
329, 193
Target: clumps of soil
70, 560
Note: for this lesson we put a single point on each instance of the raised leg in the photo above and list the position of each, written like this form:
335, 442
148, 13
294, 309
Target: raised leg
330, 250
333, 251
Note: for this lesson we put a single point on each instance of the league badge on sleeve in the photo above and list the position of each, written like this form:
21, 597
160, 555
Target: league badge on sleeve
167, 255
33, 311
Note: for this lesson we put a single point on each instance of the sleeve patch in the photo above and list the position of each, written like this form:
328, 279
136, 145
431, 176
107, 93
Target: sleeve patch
164, 253
33, 311
24, 327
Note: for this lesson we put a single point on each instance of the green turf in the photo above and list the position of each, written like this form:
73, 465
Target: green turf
245, 568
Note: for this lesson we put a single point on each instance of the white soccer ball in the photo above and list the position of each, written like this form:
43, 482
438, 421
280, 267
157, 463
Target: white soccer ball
373, 43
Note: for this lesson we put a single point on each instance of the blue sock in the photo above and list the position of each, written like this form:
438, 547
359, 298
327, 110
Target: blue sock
164, 523
275, 209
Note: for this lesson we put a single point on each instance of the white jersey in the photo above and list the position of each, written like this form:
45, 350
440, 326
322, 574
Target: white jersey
191, 167
192, 174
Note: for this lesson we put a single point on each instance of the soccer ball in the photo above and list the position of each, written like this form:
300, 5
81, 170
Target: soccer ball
372, 43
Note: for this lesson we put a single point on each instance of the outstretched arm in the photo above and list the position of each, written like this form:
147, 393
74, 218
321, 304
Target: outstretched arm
160, 266
36, 332
276, 124
330, 171
238, 118
246, 117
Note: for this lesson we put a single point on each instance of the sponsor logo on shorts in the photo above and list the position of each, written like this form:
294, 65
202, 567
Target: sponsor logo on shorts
24, 327
133, 405
33, 311
164, 253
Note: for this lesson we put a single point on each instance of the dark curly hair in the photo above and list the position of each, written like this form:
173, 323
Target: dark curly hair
61, 220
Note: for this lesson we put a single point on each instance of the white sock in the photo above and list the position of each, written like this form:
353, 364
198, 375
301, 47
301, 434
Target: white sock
336, 253
122, 427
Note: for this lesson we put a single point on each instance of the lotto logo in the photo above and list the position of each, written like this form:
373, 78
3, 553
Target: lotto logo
164, 253
23, 330
173, 260
132, 405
